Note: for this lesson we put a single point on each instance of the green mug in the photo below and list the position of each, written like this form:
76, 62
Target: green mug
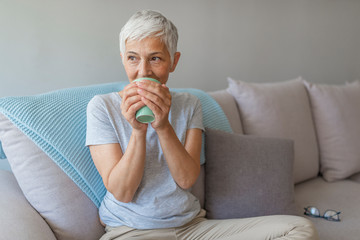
144, 114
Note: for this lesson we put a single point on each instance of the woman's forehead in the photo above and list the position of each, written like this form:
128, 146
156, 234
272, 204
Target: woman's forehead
152, 44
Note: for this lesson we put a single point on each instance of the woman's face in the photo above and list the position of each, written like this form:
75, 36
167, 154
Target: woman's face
148, 58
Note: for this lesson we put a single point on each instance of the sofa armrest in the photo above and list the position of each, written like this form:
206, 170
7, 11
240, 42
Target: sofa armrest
17, 217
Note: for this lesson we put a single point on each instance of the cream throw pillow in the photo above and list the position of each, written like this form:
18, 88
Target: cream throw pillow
70, 214
336, 110
280, 110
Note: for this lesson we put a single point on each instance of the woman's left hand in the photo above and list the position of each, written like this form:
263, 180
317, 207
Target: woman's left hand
158, 98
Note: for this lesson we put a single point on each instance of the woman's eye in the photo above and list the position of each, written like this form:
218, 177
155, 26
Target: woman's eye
133, 59
155, 59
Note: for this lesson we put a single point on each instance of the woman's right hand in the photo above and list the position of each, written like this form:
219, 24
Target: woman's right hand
130, 103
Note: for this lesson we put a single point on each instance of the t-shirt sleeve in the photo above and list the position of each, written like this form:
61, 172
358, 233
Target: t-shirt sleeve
197, 117
99, 129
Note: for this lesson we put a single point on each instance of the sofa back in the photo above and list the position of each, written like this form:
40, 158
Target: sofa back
303, 170
280, 110
321, 119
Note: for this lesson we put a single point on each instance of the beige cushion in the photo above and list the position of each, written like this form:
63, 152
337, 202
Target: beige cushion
228, 105
280, 110
18, 219
336, 110
66, 209
342, 196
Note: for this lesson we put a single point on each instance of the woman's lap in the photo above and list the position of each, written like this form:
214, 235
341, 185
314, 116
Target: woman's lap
200, 228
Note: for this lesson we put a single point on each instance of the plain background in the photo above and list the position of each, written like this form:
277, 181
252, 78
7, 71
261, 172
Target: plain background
50, 44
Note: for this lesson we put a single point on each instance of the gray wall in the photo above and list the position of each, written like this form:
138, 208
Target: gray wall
50, 44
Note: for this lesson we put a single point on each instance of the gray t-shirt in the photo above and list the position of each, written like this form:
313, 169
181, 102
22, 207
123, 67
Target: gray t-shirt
159, 202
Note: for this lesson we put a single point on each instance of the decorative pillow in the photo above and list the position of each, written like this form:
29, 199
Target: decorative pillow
228, 105
66, 209
248, 176
56, 122
18, 219
280, 110
336, 110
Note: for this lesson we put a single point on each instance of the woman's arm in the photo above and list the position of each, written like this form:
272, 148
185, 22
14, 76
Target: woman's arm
183, 161
121, 173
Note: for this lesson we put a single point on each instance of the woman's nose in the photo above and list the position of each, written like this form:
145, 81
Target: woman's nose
144, 68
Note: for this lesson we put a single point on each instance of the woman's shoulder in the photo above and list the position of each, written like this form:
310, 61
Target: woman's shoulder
183, 97
184, 102
103, 102
105, 98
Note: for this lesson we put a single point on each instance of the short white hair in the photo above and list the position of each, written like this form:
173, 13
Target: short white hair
148, 23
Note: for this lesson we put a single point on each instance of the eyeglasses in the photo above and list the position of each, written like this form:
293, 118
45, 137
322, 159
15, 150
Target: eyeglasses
330, 215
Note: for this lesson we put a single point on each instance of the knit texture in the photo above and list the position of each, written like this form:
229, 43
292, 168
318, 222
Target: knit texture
56, 122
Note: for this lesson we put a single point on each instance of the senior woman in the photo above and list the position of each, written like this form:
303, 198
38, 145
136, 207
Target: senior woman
148, 169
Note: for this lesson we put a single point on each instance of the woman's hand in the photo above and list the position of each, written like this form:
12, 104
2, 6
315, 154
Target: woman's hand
130, 104
158, 98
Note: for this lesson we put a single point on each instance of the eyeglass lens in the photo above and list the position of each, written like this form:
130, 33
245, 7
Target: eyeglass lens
313, 211
330, 215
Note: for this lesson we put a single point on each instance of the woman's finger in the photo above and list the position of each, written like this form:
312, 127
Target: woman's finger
159, 95
129, 101
157, 89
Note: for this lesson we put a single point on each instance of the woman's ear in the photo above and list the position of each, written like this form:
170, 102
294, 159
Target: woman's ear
176, 60
122, 59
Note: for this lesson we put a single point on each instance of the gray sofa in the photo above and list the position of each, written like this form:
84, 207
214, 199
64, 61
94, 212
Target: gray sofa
38, 201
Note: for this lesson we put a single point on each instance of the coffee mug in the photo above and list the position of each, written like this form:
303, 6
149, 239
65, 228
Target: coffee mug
144, 114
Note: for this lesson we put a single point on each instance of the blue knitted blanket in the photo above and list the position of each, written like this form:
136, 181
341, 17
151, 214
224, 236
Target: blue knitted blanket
56, 122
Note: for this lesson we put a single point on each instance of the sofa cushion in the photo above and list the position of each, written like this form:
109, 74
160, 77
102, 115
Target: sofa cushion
336, 111
67, 210
247, 176
342, 195
280, 110
228, 105
355, 177
18, 219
